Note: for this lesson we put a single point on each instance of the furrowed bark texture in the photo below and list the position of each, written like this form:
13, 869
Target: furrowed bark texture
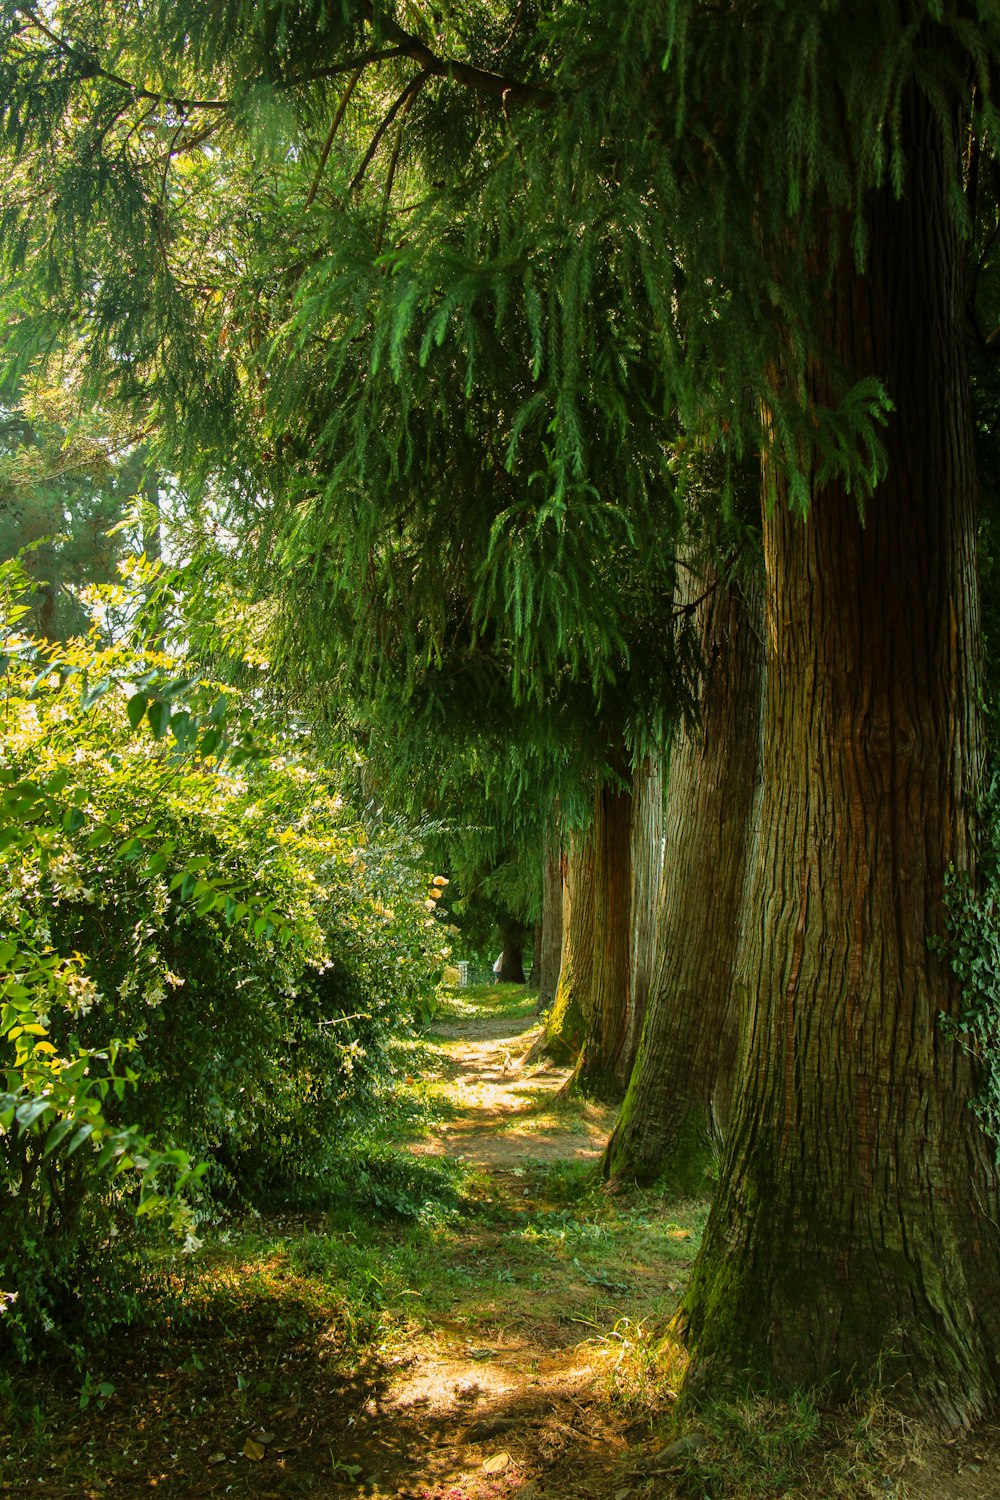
566, 1025
589, 1019
552, 896
647, 886
677, 1103
602, 1064
854, 1233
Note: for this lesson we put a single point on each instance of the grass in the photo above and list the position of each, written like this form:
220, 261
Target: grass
297, 1329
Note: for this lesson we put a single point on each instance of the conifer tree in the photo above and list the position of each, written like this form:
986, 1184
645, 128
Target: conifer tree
66, 485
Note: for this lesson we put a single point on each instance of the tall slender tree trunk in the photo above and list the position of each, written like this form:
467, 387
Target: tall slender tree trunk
535, 975
855, 1232
647, 889
550, 957
589, 1020
601, 1070
566, 1025
678, 1098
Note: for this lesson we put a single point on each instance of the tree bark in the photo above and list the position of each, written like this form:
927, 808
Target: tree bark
552, 917
601, 1070
854, 1235
678, 1099
535, 976
647, 892
566, 1025
589, 1020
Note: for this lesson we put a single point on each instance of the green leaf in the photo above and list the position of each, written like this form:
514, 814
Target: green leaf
210, 742
32, 1110
58, 1132
84, 1133
94, 695
158, 714
135, 708
177, 685
183, 729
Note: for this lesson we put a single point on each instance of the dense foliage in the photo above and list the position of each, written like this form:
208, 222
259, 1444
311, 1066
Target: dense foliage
208, 955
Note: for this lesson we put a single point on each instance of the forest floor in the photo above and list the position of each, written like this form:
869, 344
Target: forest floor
507, 1339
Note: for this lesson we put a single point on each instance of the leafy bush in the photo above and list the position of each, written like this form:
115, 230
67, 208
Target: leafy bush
202, 950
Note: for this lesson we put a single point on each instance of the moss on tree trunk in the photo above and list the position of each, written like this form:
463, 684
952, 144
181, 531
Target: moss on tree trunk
589, 1021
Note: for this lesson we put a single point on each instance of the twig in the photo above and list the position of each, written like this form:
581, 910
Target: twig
334, 126
391, 177
411, 88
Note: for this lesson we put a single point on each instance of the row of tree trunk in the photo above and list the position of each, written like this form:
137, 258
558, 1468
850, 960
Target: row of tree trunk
787, 1015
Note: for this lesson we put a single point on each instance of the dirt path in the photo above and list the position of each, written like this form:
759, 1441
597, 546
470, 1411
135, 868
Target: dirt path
509, 1111
520, 1409
560, 1397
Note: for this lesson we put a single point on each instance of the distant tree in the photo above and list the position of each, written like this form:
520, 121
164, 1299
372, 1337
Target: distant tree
66, 487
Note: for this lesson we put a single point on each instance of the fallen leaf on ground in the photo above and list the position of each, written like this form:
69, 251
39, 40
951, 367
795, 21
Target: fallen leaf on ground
254, 1450
216, 1458
496, 1464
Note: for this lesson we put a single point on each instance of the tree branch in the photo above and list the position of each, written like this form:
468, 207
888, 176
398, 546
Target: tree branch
334, 126
91, 68
411, 88
512, 90
391, 176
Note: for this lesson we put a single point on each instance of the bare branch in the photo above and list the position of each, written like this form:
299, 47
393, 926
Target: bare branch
391, 175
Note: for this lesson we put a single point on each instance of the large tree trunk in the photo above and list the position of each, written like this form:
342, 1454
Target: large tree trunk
589, 1020
678, 1099
855, 1232
646, 857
